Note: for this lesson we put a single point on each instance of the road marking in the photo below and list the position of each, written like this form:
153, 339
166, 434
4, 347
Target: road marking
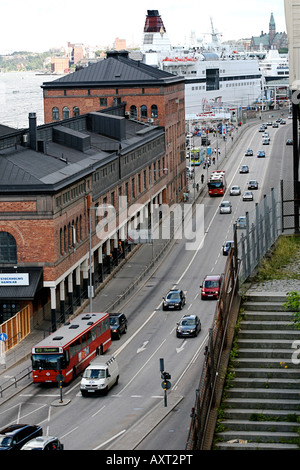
143, 347
111, 439
181, 347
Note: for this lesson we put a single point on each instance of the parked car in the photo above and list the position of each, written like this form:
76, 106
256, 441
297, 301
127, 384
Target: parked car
14, 436
175, 299
189, 325
244, 169
225, 207
241, 222
253, 184
43, 443
261, 154
235, 191
118, 324
211, 285
249, 153
248, 196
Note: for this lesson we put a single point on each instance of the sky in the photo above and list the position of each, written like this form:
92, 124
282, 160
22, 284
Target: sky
37, 26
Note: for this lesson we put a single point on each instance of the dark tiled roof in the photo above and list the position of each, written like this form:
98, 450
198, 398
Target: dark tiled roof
116, 69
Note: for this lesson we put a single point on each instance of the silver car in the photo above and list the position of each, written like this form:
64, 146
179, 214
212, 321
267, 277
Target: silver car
248, 196
235, 191
225, 207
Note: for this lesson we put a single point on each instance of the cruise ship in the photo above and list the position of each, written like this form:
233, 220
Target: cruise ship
275, 66
218, 80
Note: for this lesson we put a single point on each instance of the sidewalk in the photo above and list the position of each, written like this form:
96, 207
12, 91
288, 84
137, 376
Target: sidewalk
139, 265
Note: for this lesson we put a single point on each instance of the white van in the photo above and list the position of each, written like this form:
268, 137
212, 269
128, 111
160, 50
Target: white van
101, 374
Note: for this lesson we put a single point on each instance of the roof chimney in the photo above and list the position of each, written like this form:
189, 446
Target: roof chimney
32, 131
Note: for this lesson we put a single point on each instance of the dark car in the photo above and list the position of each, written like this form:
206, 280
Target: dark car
13, 437
174, 299
261, 154
118, 324
189, 325
253, 184
289, 142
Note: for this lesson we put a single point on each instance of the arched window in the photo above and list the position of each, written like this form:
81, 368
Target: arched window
154, 111
55, 114
133, 112
66, 113
76, 111
143, 111
8, 248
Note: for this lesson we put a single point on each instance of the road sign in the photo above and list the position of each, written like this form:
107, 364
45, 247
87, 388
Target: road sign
3, 337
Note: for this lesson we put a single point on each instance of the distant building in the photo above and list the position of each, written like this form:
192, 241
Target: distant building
120, 44
60, 64
272, 40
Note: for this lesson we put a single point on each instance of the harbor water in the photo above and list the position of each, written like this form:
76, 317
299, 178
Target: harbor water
21, 94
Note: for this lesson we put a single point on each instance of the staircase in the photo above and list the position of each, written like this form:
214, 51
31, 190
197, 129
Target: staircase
262, 406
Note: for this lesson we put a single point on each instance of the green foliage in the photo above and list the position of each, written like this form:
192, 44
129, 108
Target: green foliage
293, 305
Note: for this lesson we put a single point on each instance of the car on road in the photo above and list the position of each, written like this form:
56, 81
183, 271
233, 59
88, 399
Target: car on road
175, 299
15, 436
118, 324
241, 222
253, 184
210, 287
189, 325
261, 154
227, 246
266, 141
249, 153
235, 191
225, 207
248, 196
275, 124
289, 142
282, 121
244, 169
44, 443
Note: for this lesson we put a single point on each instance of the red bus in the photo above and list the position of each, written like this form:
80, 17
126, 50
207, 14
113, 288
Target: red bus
75, 344
217, 183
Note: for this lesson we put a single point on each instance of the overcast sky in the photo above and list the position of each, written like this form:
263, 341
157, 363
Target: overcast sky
37, 25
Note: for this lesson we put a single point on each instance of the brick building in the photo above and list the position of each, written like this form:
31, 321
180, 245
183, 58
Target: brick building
150, 95
52, 179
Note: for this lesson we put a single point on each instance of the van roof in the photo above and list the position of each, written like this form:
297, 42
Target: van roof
102, 361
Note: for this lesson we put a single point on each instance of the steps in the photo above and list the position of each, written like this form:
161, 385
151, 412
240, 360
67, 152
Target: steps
261, 409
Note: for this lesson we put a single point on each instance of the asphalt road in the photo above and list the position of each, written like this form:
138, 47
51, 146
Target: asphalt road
114, 421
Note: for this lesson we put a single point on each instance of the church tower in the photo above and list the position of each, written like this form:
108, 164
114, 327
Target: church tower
272, 30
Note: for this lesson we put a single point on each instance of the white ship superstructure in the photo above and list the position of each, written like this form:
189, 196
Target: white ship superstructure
216, 78
275, 66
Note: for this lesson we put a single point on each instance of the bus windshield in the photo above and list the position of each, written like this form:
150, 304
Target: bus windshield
215, 184
44, 361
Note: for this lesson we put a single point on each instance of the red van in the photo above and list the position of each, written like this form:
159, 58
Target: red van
210, 288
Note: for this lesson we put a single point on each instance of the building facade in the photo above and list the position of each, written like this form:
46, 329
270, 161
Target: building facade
70, 191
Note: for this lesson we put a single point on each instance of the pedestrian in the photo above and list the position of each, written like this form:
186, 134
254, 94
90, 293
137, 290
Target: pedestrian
202, 178
197, 186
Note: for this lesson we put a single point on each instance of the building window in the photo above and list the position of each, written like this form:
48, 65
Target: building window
103, 101
55, 114
8, 248
143, 111
133, 112
117, 101
66, 113
76, 111
154, 111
